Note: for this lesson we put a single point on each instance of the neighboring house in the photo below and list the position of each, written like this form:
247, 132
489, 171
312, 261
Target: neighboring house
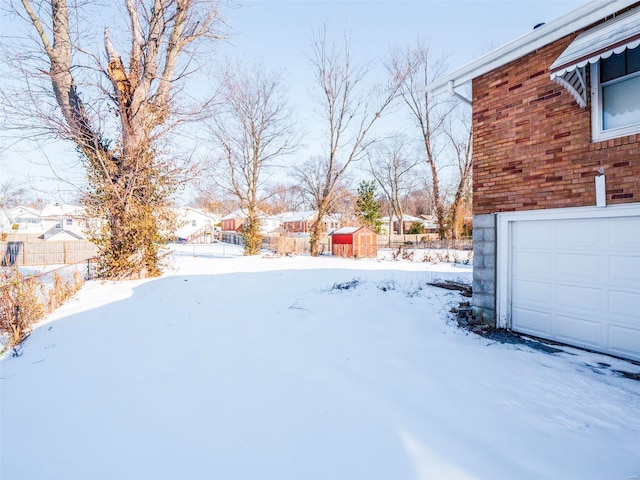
302, 222
354, 242
273, 223
233, 221
71, 219
556, 179
27, 219
196, 225
55, 235
407, 223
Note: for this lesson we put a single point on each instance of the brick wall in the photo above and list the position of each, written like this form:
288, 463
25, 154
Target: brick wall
532, 143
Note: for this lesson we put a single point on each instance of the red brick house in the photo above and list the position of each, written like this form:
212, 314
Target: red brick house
354, 242
301, 222
233, 221
556, 179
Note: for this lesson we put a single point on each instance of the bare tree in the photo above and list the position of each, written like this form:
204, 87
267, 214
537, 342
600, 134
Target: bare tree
116, 112
427, 113
253, 127
285, 198
460, 137
350, 110
389, 163
12, 194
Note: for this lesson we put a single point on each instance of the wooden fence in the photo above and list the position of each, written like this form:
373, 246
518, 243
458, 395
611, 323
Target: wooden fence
46, 253
430, 241
300, 245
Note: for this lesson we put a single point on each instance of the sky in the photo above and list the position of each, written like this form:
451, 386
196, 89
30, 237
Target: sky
277, 34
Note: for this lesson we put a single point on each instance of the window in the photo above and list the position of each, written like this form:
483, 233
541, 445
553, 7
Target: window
69, 221
615, 94
193, 223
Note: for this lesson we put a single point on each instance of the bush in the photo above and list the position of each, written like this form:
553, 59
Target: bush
417, 228
21, 302
20, 305
62, 290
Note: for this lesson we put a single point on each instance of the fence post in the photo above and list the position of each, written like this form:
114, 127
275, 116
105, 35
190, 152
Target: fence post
25, 256
65, 258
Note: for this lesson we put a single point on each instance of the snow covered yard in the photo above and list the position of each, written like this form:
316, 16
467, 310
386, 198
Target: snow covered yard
301, 368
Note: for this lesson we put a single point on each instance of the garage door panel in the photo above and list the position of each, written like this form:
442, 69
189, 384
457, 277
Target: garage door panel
532, 263
624, 341
625, 304
625, 268
534, 234
578, 267
532, 293
577, 281
623, 233
534, 322
577, 330
580, 299
582, 234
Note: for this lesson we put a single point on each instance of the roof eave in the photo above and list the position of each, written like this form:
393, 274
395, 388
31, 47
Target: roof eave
572, 22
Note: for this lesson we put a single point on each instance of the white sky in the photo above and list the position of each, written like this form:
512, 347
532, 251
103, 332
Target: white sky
277, 34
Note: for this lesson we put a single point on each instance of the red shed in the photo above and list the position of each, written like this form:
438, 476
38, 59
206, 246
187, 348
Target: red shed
354, 242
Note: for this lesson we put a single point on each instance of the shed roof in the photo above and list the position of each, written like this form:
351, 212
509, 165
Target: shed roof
350, 230
345, 230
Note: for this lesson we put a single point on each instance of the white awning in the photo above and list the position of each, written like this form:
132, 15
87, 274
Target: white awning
613, 36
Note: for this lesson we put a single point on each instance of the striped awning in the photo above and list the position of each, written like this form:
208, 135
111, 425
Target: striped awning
613, 36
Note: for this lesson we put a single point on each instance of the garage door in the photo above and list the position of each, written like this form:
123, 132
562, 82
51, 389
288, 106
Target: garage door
577, 281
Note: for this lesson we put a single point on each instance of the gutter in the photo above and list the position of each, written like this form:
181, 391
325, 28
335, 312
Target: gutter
577, 20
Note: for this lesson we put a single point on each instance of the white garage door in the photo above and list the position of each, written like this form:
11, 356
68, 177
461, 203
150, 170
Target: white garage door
577, 281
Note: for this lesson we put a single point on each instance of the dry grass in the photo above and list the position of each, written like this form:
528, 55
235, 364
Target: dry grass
20, 305
21, 301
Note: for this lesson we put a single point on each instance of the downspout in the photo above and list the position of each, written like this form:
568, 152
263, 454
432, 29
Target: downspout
453, 93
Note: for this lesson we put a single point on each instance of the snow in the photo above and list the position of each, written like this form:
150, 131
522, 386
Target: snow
345, 230
239, 367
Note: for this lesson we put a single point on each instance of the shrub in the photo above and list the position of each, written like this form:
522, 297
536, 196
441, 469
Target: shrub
62, 289
417, 228
408, 255
21, 301
20, 305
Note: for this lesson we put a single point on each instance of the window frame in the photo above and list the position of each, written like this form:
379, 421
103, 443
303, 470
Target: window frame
597, 132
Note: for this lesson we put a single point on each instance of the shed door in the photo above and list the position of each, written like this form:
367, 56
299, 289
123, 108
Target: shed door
577, 281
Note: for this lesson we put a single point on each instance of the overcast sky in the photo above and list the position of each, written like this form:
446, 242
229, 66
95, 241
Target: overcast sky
277, 33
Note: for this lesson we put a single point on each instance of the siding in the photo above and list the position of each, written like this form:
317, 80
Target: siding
532, 143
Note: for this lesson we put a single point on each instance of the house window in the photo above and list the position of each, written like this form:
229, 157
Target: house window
616, 95
69, 221
193, 223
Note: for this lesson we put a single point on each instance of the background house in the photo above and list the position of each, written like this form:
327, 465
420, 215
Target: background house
233, 221
408, 221
302, 222
196, 225
273, 223
556, 179
62, 222
27, 219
